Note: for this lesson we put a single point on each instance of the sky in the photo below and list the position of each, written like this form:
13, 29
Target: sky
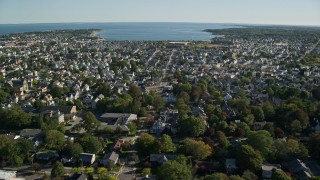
286, 12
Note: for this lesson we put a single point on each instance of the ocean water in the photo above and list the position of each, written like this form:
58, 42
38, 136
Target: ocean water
128, 31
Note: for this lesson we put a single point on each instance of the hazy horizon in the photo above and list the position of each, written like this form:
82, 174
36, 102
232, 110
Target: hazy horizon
272, 12
137, 22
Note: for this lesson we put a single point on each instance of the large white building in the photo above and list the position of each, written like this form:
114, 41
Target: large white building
8, 175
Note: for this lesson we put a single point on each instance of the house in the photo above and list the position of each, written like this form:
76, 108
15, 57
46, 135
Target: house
68, 111
230, 165
109, 160
87, 158
157, 127
115, 120
267, 170
119, 142
46, 155
161, 158
313, 166
22, 85
8, 175
56, 115
32, 134
204, 167
299, 169
95, 101
87, 99
259, 125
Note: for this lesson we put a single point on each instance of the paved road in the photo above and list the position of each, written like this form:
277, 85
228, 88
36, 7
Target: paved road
165, 70
152, 56
309, 51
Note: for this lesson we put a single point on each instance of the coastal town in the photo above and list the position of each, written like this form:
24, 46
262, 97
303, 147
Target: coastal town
243, 106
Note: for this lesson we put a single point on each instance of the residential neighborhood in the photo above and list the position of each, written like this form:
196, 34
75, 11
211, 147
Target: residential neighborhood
244, 105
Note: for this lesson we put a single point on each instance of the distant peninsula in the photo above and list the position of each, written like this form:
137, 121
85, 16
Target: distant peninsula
267, 31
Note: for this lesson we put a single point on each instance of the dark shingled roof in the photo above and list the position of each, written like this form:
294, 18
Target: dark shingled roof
62, 109
30, 132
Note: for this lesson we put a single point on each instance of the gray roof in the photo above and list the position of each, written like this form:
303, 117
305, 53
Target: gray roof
161, 158
62, 109
114, 157
86, 157
30, 132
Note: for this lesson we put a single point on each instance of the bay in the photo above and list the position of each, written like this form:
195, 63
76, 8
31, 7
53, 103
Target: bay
128, 31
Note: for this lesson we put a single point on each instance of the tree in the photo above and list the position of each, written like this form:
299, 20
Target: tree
248, 175
167, 144
216, 176
14, 118
23, 147
135, 91
182, 107
73, 149
90, 143
4, 96
38, 104
90, 121
7, 149
258, 113
196, 93
89, 170
132, 127
236, 177
222, 140
57, 92
104, 89
197, 149
279, 175
185, 96
249, 159
314, 145
158, 102
57, 170
261, 140
192, 126
291, 92
290, 149
102, 173
55, 140
173, 170
145, 144
146, 171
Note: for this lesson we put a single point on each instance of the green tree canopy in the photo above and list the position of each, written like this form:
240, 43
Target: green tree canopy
4, 96
173, 170
290, 149
57, 170
262, 141
197, 149
182, 107
279, 175
192, 126
55, 140
249, 159
73, 149
14, 118
216, 176
135, 91
167, 144
146, 144
248, 175
90, 121
90, 144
